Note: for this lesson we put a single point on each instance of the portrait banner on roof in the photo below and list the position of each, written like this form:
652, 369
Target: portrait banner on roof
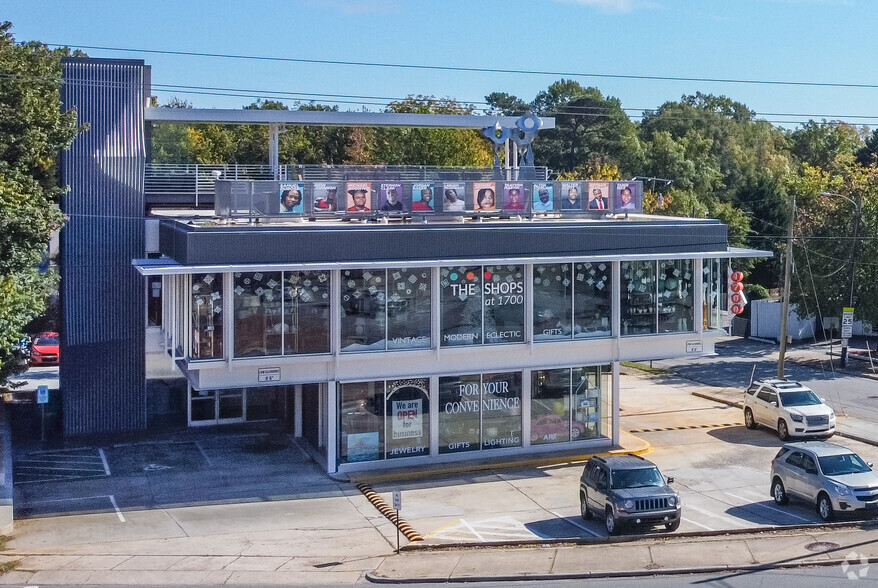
571, 196
543, 197
359, 197
391, 198
513, 197
292, 200
454, 197
325, 196
485, 194
422, 196
598, 196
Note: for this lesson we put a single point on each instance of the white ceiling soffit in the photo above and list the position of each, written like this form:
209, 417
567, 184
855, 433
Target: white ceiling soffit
331, 118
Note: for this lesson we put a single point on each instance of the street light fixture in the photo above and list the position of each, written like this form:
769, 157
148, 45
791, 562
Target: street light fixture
858, 213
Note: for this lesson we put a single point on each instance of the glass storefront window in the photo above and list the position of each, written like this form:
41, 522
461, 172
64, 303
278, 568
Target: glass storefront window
362, 310
408, 417
570, 404
479, 412
461, 301
591, 299
265, 403
590, 397
460, 416
408, 308
258, 313
553, 301
207, 316
504, 303
676, 312
501, 410
550, 407
638, 301
361, 422
713, 284
306, 312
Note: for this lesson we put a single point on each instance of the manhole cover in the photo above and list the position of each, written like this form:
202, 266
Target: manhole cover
822, 546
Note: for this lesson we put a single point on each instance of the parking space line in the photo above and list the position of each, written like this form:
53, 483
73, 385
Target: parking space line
111, 498
473, 531
698, 524
714, 515
576, 524
50, 469
116, 506
104, 461
442, 528
777, 510
204, 454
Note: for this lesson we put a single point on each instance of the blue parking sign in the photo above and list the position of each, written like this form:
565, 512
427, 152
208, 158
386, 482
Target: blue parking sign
42, 394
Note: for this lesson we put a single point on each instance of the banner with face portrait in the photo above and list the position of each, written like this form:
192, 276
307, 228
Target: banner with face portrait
485, 194
454, 197
627, 197
359, 197
598, 196
571, 196
326, 198
292, 198
423, 194
543, 197
514, 199
391, 198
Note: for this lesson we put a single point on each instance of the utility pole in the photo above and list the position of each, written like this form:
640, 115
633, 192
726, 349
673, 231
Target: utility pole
785, 305
858, 212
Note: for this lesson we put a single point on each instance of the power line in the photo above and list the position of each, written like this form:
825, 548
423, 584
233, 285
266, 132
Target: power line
471, 69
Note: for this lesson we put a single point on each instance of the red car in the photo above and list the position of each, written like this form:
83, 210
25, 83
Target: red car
44, 349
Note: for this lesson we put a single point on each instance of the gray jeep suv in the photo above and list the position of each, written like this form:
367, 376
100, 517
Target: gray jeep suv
627, 490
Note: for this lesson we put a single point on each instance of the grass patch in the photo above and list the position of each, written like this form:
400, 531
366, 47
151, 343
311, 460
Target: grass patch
8, 566
645, 367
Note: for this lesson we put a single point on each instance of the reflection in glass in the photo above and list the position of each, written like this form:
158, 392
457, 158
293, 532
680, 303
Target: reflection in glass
638, 297
501, 415
591, 401
676, 312
408, 417
591, 302
504, 303
550, 407
714, 296
461, 302
362, 310
258, 318
408, 308
459, 413
361, 427
207, 316
306, 312
265, 403
553, 302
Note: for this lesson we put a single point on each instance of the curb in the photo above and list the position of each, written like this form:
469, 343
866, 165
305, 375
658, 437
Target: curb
391, 515
612, 574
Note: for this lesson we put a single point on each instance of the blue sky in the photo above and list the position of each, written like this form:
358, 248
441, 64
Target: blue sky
824, 41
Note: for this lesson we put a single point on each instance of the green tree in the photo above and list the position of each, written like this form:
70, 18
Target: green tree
32, 132
439, 147
830, 146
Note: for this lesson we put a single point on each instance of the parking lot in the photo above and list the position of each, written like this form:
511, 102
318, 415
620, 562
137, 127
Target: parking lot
720, 468
263, 481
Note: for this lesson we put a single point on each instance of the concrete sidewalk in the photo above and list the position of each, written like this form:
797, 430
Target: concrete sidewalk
832, 545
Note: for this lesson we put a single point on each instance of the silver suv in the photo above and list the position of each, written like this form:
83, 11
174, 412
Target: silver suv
789, 407
831, 476
627, 490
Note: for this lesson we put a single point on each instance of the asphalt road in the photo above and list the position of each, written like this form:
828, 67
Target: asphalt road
848, 393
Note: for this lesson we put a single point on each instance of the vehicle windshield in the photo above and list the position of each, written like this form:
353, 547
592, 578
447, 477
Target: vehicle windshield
799, 398
639, 478
46, 341
839, 465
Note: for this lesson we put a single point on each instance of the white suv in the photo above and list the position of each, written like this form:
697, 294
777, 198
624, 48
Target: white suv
791, 408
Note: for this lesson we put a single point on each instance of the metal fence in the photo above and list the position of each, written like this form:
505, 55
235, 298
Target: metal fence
194, 183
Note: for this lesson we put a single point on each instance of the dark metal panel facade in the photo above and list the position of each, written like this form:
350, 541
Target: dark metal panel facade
313, 243
103, 298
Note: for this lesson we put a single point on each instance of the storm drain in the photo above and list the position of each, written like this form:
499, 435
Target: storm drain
406, 529
822, 546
